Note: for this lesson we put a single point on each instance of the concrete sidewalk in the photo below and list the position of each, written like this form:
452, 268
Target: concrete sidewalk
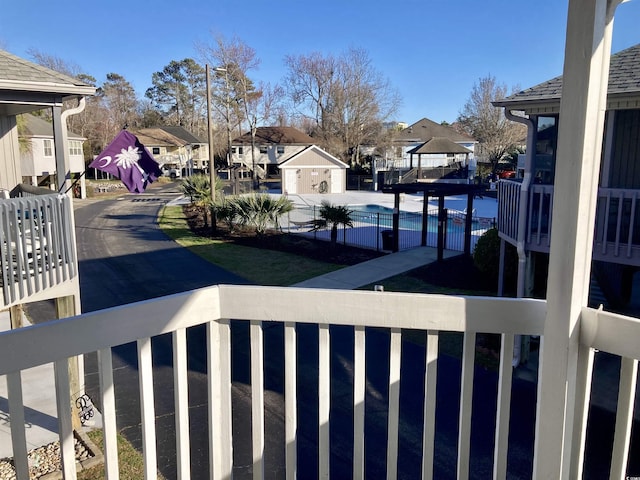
371, 271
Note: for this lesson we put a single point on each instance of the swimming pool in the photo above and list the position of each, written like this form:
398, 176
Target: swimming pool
383, 216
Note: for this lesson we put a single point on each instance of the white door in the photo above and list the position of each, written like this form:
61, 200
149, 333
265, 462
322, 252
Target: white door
290, 181
336, 180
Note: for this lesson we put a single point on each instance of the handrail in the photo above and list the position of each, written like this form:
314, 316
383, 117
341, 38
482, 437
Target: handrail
616, 235
37, 250
293, 307
25, 190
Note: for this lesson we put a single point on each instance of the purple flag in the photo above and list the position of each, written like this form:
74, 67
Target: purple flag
129, 160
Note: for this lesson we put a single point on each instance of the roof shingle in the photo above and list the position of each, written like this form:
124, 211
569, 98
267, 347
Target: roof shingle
16, 69
624, 78
278, 136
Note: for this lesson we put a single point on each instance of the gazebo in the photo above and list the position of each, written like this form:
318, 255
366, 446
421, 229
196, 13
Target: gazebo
436, 145
439, 190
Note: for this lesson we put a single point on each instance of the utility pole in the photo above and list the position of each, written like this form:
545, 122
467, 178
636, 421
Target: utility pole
212, 164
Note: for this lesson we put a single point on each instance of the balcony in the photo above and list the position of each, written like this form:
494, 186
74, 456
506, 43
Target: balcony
294, 340
617, 233
37, 247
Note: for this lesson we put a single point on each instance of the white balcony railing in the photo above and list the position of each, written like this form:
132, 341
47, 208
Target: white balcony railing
291, 308
617, 233
37, 249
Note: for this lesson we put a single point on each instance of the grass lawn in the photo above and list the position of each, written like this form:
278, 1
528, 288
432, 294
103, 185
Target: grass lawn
130, 461
259, 266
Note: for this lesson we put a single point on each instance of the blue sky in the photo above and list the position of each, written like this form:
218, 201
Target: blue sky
432, 51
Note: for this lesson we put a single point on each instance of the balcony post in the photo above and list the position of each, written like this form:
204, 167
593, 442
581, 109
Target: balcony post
65, 307
586, 69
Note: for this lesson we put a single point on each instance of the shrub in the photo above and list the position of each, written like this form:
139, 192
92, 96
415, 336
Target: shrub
486, 257
198, 189
259, 210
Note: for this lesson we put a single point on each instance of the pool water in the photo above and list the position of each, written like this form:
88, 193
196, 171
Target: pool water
408, 220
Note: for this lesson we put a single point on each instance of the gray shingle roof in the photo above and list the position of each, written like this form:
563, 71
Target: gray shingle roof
624, 78
38, 127
159, 137
19, 70
183, 134
278, 136
425, 129
439, 145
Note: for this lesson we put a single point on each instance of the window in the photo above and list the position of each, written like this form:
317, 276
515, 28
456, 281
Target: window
280, 150
75, 147
240, 150
155, 150
546, 141
48, 147
263, 149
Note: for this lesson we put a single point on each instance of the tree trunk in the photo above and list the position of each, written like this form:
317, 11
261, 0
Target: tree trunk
334, 235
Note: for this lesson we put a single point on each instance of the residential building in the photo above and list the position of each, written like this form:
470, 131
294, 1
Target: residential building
36, 232
422, 132
38, 160
175, 148
526, 204
273, 146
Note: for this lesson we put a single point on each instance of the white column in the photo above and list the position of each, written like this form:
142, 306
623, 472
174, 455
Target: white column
586, 68
63, 173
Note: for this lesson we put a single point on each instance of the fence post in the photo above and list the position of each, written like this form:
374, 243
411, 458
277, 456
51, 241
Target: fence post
315, 231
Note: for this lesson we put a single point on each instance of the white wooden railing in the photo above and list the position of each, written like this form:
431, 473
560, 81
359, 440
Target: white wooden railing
617, 234
508, 202
37, 249
394, 313
617, 237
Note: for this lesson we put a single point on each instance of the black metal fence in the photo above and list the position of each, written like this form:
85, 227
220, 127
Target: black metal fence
374, 229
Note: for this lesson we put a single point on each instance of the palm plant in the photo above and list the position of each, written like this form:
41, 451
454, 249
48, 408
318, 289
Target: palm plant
261, 210
227, 211
198, 189
332, 216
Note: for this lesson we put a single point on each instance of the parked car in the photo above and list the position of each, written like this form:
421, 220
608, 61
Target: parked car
507, 171
172, 171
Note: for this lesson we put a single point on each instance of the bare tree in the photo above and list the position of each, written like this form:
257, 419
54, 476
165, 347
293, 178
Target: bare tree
120, 99
236, 93
55, 63
346, 97
497, 136
311, 82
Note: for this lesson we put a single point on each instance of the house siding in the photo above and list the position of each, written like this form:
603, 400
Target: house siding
625, 161
309, 179
35, 164
10, 174
272, 157
311, 169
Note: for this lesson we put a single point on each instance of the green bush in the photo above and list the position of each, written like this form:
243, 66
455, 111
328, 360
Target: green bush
259, 210
486, 258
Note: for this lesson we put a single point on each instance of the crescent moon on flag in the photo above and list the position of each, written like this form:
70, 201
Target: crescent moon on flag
107, 161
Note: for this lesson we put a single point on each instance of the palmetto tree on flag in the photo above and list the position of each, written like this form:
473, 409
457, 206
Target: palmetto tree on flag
130, 161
